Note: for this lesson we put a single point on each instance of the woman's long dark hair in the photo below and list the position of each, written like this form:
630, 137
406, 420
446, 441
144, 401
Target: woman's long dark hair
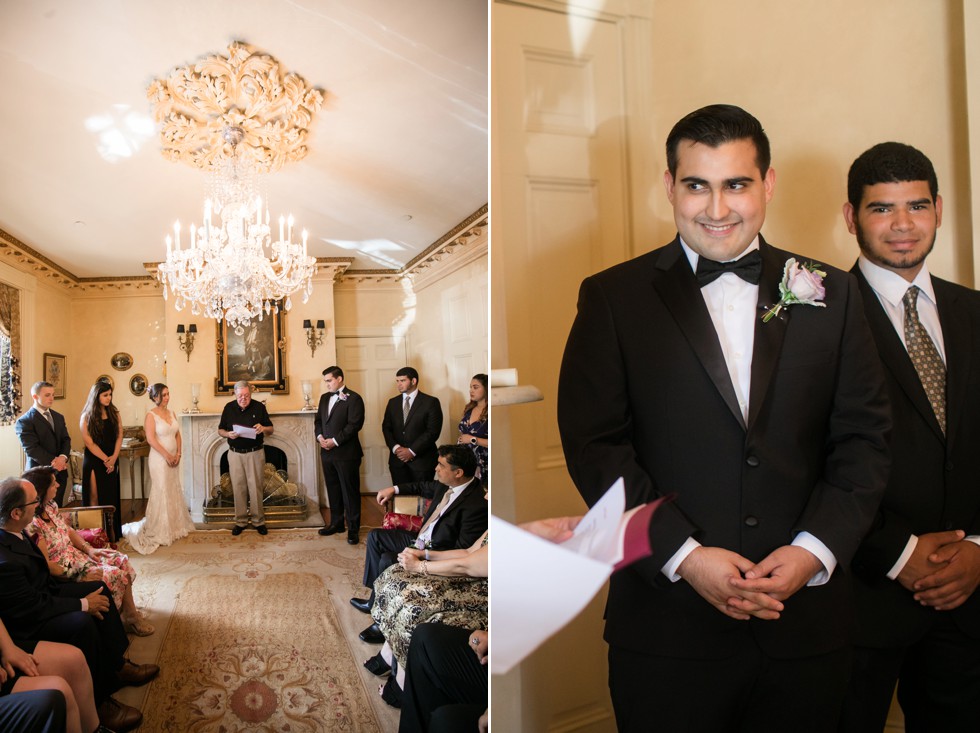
40, 478
92, 414
482, 379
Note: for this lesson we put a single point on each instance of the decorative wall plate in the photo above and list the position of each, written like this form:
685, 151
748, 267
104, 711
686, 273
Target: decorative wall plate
121, 361
137, 384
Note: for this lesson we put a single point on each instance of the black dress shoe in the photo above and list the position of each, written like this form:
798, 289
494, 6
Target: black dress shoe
331, 529
361, 604
391, 693
236, 530
352, 538
372, 635
377, 665
262, 529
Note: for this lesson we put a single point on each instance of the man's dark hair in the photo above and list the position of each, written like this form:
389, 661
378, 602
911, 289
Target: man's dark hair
12, 495
38, 386
334, 371
461, 457
407, 372
716, 125
889, 163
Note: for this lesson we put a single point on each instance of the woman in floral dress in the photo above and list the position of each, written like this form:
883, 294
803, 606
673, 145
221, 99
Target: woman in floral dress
448, 587
72, 557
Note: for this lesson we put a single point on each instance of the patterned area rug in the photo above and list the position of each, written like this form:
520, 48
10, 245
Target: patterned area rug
255, 634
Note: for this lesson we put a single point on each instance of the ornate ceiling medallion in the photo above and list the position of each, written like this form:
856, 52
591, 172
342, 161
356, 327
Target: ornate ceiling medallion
245, 90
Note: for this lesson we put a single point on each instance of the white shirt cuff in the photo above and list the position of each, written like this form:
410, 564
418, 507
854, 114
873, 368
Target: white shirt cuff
670, 569
903, 558
84, 604
810, 543
974, 538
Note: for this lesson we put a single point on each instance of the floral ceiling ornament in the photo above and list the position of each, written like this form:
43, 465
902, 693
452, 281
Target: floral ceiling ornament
237, 117
244, 90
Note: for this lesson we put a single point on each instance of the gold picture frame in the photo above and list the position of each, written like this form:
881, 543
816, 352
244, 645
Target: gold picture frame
257, 355
56, 373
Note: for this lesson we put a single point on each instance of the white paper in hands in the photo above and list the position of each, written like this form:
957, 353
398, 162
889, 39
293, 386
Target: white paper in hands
244, 431
539, 586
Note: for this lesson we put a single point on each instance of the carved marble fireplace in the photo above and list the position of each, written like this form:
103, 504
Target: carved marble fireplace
203, 448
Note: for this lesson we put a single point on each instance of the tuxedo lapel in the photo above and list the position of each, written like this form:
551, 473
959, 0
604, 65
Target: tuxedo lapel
678, 288
769, 336
956, 340
894, 355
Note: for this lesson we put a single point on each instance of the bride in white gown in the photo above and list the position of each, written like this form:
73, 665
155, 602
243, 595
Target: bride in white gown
167, 518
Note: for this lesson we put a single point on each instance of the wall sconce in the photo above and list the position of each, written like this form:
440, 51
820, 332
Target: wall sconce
314, 334
186, 343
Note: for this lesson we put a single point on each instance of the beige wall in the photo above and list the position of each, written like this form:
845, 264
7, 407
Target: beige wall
827, 80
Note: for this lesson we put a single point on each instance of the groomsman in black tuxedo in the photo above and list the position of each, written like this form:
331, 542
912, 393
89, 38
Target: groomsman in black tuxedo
411, 427
916, 572
339, 418
43, 434
36, 607
771, 433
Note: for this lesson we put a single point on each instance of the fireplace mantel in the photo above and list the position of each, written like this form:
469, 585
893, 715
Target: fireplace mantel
203, 448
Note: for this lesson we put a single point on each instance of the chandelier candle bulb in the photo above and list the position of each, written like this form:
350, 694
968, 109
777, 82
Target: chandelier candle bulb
289, 230
304, 244
193, 234
282, 221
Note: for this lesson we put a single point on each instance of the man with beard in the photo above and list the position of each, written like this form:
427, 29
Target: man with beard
915, 574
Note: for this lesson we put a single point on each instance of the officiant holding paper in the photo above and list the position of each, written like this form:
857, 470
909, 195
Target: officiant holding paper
245, 423
690, 371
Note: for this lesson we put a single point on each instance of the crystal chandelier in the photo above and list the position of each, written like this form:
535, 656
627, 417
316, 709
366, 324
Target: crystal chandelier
238, 116
230, 267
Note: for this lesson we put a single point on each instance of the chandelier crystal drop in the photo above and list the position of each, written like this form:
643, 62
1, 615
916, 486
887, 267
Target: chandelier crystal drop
230, 267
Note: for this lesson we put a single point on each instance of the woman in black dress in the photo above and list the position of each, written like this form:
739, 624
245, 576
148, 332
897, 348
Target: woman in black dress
102, 432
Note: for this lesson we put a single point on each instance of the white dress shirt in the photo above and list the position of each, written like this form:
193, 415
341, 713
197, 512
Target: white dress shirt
733, 306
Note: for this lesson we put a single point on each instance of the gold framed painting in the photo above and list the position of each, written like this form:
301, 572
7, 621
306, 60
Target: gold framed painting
257, 355
56, 373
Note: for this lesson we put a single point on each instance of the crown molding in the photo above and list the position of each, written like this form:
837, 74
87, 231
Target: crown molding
463, 243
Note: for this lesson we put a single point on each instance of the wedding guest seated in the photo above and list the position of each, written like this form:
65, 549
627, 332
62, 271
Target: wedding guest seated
48, 666
449, 587
456, 517
33, 711
445, 681
72, 558
36, 607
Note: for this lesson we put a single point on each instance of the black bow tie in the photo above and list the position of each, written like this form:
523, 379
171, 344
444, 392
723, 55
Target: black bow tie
331, 394
749, 268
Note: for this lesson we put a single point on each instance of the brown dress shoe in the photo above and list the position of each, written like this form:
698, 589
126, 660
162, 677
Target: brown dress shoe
118, 717
136, 674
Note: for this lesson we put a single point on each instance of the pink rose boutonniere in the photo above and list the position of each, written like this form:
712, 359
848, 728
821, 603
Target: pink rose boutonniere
801, 284
342, 396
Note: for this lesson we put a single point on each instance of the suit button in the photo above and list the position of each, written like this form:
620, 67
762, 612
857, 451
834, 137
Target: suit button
752, 461
751, 522
949, 465
948, 526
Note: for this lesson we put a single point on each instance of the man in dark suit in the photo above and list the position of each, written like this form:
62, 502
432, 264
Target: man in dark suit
770, 432
411, 426
455, 519
43, 434
916, 573
339, 418
34, 606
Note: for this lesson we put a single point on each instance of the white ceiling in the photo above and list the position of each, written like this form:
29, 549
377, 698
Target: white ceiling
398, 153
